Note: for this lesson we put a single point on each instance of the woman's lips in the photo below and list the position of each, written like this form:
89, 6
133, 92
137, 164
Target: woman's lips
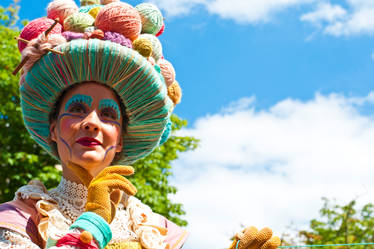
88, 141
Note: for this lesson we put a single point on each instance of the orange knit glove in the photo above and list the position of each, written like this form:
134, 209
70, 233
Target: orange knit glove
251, 238
104, 190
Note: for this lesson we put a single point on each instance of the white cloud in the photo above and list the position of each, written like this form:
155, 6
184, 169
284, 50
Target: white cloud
356, 19
325, 12
242, 11
271, 167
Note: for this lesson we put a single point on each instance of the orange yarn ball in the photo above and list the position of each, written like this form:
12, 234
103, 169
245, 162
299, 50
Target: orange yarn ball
121, 18
175, 93
167, 71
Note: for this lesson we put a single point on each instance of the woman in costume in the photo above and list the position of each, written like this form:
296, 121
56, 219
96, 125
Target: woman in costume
96, 92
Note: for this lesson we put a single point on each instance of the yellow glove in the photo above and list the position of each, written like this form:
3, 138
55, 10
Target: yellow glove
251, 238
104, 190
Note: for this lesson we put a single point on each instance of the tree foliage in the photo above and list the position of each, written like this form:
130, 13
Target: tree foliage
22, 160
341, 224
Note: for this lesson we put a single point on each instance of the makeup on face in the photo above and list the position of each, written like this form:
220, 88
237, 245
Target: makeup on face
78, 99
111, 106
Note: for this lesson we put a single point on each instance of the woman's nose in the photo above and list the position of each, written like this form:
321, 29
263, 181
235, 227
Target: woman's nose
91, 122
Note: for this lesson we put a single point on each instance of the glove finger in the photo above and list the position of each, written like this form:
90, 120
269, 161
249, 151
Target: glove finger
82, 173
115, 196
262, 236
272, 243
247, 236
121, 170
120, 183
109, 177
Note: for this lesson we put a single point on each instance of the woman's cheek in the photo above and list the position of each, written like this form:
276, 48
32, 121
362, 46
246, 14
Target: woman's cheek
66, 125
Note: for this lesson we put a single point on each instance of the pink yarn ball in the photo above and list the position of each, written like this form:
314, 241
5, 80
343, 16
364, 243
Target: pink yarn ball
167, 71
121, 18
35, 28
61, 9
161, 30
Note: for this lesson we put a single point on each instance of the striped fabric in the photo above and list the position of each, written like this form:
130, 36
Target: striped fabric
139, 85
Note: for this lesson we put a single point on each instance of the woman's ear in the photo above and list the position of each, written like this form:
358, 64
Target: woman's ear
53, 131
119, 145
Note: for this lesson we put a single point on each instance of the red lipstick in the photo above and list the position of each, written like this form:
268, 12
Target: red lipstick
88, 141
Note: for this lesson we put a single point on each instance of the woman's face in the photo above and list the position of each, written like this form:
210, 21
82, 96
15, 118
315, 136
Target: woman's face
88, 128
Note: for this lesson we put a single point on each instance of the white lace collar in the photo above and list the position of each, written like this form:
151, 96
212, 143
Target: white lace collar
71, 198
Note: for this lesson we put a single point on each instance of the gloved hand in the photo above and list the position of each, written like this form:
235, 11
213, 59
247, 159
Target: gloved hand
251, 238
104, 189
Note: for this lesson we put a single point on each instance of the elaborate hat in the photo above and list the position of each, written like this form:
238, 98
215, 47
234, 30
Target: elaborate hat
113, 44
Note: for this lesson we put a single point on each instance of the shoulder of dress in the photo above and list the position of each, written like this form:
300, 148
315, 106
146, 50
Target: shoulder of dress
34, 190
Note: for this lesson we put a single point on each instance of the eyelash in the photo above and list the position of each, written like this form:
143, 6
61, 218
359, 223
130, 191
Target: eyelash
76, 105
111, 111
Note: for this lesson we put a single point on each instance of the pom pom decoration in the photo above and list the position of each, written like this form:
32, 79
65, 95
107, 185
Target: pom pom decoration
121, 18
34, 28
143, 46
151, 16
175, 93
161, 30
117, 38
89, 2
78, 22
86, 237
109, 1
167, 71
61, 9
156, 45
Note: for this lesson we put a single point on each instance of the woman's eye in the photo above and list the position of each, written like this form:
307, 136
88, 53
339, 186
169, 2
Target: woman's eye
109, 113
77, 108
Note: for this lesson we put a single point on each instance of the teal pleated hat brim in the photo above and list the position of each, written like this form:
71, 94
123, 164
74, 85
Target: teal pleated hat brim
139, 85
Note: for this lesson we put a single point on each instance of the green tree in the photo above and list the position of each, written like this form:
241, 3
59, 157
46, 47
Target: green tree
21, 159
341, 224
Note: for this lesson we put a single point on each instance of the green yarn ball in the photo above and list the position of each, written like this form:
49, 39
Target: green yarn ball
78, 22
89, 2
151, 16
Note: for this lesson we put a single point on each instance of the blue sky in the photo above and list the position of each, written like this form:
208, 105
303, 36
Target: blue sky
219, 60
280, 94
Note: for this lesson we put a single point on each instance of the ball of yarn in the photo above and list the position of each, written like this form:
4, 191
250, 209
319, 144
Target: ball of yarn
156, 45
35, 28
161, 30
167, 71
94, 11
77, 22
175, 93
143, 46
117, 38
151, 16
89, 2
109, 1
121, 18
69, 35
61, 9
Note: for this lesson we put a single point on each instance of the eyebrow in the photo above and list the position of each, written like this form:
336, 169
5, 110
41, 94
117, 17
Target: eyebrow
110, 103
79, 98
